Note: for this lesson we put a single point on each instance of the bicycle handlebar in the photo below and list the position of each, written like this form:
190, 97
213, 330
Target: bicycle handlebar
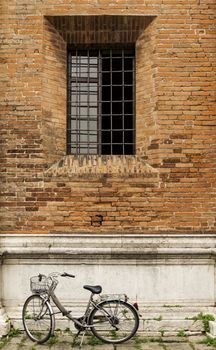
65, 274
54, 275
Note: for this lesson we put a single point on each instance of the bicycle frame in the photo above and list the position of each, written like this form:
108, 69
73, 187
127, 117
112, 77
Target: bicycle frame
103, 314
91, 304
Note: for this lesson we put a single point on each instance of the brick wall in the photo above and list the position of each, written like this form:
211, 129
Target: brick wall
54, 92
170, 185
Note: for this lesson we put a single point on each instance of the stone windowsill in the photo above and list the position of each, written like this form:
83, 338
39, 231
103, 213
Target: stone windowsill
99, 165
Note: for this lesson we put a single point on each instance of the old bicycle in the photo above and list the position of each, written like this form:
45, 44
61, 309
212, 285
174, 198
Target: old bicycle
109, 317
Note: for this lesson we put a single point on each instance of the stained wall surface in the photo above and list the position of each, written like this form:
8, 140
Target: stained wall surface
169, 185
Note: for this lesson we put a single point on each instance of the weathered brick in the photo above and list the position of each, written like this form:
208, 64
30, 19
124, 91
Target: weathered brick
170, 185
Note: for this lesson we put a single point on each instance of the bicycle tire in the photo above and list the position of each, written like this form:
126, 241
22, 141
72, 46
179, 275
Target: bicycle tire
38, 319
107, 319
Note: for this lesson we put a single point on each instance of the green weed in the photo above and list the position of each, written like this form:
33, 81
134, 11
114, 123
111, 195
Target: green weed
159, 318
54, 339
92, 340
162, 331
14, 332
138, 341
181, 333
205, 318
209, 342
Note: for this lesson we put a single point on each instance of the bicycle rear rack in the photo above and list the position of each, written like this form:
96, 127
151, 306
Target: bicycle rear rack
122, 297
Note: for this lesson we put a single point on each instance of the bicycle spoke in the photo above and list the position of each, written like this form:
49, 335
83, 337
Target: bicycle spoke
37, 319
114, 321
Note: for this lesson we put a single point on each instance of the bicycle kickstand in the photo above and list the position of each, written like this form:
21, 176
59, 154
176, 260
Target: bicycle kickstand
76, 335
82, 338
84, 332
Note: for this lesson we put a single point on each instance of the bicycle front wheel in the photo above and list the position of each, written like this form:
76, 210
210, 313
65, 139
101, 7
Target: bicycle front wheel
38, 320
114, 321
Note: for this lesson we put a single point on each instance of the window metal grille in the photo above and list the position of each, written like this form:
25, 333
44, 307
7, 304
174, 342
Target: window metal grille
101, 101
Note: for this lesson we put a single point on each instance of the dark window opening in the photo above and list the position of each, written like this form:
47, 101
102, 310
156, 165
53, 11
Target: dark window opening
101, 90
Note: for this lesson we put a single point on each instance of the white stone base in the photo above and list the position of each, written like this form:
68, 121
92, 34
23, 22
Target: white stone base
4, 323
212, 326
172, 277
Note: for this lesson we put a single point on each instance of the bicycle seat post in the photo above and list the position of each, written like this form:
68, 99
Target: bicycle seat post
84, 320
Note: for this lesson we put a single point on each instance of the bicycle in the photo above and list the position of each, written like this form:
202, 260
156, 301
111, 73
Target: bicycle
111, 318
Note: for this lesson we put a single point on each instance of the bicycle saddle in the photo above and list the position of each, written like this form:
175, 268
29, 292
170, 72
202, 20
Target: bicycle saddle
93, 289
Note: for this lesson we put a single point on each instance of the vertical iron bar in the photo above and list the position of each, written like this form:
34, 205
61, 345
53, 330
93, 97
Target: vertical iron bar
111, 103
77, 106
99, 108
69, 92
134, 103
88, 101
123, 103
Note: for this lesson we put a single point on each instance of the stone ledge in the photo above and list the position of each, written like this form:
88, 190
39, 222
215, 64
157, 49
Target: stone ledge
132, 247
101, 165
154, 319
116, 240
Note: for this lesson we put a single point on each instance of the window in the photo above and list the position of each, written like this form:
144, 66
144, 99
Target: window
101, 101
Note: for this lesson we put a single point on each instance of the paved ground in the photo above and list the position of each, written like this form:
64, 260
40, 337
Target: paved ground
62, 341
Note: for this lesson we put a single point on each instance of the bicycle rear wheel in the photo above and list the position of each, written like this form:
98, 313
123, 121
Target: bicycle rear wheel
38, 320
114, 321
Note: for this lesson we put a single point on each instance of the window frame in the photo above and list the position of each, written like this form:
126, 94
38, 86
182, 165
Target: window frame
114, 47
